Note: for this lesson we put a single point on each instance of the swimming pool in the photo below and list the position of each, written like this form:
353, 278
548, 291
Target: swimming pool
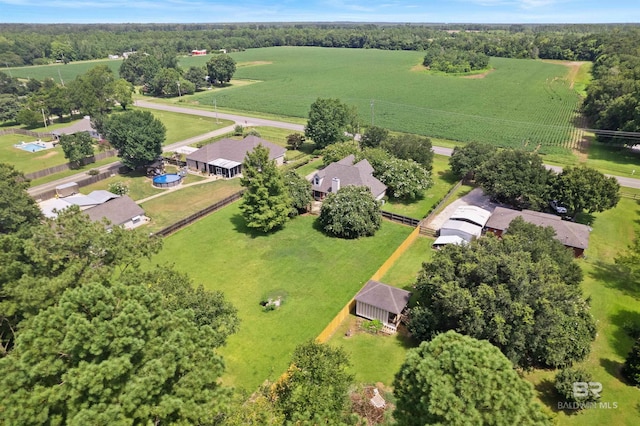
30, 147
167, 180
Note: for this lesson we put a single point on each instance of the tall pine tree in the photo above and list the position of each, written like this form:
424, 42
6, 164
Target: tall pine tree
266, 202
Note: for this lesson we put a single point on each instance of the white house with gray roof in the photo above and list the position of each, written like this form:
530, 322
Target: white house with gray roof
225, 157
382, 302
344, 173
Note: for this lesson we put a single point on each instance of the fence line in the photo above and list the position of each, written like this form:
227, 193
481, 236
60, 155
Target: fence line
336, 321
26, 133
85, 181
629, 195
427, 220
398, 218
68, 166
199, 214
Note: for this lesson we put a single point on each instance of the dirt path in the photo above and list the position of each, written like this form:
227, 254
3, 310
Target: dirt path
574, 68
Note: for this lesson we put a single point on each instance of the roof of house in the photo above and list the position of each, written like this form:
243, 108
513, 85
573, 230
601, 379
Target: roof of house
48, 207
359, 174
83, 125
449, 239
234, 150
570, 234
118, 210
390, 299
472, 214
462, 226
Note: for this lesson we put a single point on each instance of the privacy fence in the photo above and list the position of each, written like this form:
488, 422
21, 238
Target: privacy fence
68, 166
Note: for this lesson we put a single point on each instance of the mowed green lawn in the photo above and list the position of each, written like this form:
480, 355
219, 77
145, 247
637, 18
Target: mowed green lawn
520, 103
443, 181
317, 274
614, 302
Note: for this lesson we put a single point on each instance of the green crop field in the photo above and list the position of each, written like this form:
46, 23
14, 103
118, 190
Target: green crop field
521, 103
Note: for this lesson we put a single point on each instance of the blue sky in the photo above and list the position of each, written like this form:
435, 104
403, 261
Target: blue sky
187, 11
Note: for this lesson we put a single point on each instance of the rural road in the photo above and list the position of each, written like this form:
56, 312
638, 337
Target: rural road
247, 121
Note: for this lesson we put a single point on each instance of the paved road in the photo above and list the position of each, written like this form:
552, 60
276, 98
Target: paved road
238, 119
250, 121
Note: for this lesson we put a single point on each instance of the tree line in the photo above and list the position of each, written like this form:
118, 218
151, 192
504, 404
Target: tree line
24, 44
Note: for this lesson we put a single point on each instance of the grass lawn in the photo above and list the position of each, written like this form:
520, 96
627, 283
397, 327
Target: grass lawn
178, 204
614, 160
310, 167
185, 126
316, 274
614, 302
139, 184
443, 181
66, 173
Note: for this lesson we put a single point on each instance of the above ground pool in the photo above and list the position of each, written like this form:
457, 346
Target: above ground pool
167, 180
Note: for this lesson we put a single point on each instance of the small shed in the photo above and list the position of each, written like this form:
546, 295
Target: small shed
382, 302
67, 189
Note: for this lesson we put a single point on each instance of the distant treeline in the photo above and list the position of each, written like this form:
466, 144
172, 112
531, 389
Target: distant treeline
613, 97
31, 44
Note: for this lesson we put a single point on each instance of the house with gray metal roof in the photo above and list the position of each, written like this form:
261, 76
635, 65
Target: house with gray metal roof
382, 302
572, 235
344, 173
83, 125
225, 157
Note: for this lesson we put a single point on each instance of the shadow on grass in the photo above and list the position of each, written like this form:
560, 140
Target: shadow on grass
627, 323
615, 153
613, 368
448, 176
612, 276
547, 392
240, 226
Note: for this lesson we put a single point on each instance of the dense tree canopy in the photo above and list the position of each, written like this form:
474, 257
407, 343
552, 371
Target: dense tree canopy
139, 68
373, 137
454, 61
584, 188
631, 367
515, 177
110, 353
338, 151
17, 209
466, 159
265, 203
221, 69
299, 191
521, 293
411, 147
315, 386
328, 121
456, 379
404, 178
137, 135
77, 146
352, 212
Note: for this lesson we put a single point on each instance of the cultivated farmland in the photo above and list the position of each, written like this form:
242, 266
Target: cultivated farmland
521, 103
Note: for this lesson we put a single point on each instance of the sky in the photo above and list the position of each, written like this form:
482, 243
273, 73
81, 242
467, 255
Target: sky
398, 11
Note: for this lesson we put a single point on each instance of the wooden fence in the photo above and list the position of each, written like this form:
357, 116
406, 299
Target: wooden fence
68, 166
85, 181
26, 133
630, 195
336, 321
398, 218
197, 215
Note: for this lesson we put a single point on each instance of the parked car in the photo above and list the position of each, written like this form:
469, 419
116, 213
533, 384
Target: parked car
557, 207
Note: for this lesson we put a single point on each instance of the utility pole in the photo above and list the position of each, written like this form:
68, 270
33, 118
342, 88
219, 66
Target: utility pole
179, 93
372, 114
61, 81
215, 107
8, 70
44, 119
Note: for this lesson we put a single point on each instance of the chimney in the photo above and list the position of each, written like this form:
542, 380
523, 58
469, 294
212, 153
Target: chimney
335, 185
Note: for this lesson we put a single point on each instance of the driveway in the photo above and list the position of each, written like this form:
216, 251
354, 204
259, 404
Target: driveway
474, 198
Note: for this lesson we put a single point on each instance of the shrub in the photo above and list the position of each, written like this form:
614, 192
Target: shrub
373, 326
118, 188
565, 385
631, 368
352, 212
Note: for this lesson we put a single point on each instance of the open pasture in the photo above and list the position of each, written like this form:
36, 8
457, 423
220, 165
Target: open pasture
522, 103
316, 274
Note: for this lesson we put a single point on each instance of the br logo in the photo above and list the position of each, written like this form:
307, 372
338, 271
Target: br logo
584, 389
